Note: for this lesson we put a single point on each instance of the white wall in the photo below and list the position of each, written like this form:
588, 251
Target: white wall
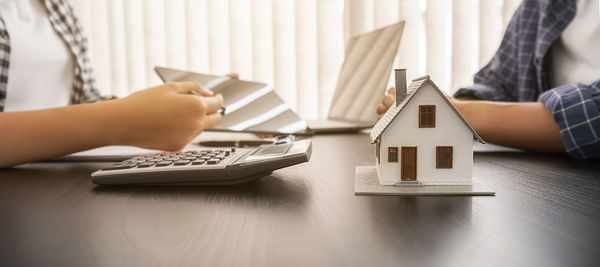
449, 131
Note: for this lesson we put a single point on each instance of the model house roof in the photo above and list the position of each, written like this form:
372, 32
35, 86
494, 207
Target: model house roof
412, 89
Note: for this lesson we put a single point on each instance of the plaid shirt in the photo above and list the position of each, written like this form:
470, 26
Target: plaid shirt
519, 72
67, 26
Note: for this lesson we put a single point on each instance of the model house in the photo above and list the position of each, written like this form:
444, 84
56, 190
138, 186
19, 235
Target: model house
422, 139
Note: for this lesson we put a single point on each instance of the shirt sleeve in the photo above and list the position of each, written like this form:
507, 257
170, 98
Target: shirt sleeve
497, 81
85, 90
576, 110
483, 91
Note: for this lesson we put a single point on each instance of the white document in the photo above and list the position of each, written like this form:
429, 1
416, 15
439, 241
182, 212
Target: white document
118, 153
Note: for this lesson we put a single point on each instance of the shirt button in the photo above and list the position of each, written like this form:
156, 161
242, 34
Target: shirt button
536, 61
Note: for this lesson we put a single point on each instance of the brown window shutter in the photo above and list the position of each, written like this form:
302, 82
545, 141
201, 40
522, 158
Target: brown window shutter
426, 116
392, 154
443, 157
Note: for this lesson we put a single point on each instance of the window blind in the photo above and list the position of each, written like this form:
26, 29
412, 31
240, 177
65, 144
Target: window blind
296, 46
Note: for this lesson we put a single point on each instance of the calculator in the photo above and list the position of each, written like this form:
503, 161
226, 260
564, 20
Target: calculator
222, 166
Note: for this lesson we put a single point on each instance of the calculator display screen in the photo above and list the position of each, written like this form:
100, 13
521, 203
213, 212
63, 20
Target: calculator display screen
266, 152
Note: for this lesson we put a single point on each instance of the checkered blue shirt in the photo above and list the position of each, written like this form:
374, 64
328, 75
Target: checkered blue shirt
67, 26
519, 72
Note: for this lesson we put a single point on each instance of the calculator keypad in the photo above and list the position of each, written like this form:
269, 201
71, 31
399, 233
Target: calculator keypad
165, 159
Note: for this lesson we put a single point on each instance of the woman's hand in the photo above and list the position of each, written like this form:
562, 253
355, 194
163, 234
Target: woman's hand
164, 117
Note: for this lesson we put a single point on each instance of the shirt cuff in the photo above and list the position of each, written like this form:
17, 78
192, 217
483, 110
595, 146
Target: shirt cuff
575, 110
481, 92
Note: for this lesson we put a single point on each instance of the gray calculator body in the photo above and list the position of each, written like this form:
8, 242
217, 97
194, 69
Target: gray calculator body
227, 167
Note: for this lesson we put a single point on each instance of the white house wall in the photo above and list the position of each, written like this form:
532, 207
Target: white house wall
449, 131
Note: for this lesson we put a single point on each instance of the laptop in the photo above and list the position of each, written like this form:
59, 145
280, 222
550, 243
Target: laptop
361, 82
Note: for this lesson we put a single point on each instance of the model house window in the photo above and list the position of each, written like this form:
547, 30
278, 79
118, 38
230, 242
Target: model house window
443, 157
392, 154
427, 116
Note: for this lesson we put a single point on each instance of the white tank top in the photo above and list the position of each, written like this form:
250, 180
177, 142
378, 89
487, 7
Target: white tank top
576, 56
41, 70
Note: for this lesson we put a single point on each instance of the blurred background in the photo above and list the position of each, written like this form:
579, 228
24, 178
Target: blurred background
295, 46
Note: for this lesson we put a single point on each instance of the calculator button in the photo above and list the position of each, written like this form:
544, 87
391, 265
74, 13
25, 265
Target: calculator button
182, 162
120, 167
212, 162
198, 162
145, 165
163, 163
232, 149
219, 157
190, 158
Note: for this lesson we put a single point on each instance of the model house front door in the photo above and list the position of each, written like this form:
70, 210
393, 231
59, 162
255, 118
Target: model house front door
409, 164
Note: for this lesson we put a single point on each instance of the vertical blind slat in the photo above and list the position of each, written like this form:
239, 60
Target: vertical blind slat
284, 49
176, 33
464, 43
154, 36
306, 58
361, 17
241, 37
197, 33
262, 41
101, 51
386, 13
218, 36
411, 45
438, 30
134, 40
330, 42
117, 48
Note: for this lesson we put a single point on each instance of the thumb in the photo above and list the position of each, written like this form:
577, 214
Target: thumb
193, 88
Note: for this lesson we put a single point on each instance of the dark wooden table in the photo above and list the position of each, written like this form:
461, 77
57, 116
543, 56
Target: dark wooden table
546, 213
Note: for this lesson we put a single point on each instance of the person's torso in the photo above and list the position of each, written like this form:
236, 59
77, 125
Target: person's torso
575, 55
41, 71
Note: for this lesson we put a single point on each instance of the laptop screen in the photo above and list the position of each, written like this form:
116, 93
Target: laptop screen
364, 74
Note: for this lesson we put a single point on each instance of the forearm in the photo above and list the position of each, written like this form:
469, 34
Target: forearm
42, 134
528, 126
165, 117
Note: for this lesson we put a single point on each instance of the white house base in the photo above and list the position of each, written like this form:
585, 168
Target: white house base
366, 182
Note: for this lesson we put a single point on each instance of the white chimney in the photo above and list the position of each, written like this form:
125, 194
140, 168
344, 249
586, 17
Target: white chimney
400, 77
